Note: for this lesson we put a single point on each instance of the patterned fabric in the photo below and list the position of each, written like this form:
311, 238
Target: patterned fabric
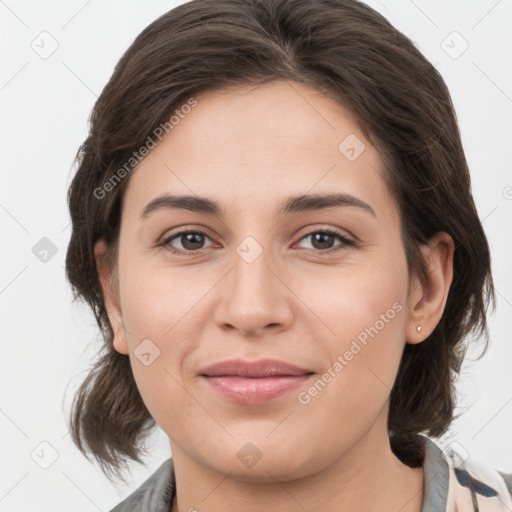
452, 483
475, 487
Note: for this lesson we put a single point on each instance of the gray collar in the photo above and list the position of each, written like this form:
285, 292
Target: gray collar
157, 492
436, 478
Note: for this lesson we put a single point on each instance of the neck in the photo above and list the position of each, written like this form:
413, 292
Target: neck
368, 476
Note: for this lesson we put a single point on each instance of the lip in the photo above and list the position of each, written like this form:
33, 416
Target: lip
247, 382
260, 368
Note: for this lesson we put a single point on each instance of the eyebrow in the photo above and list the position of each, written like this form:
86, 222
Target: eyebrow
294, 204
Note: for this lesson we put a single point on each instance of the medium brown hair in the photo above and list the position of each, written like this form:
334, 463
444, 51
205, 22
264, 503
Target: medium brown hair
352, 54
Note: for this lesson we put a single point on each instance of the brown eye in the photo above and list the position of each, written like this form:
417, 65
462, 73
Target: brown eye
191, 241
323, 240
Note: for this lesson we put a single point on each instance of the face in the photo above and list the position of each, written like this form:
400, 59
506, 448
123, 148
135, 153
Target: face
322, 285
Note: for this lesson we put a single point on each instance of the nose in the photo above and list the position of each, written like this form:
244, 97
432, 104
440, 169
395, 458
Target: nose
254, 298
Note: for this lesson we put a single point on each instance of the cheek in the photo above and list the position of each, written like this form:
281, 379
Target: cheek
362, 358
159, 300
363, 316
355, 302
163, 316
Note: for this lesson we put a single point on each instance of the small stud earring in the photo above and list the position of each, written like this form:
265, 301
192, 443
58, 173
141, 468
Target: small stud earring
418, 328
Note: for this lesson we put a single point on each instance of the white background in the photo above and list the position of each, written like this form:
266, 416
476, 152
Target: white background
48, 343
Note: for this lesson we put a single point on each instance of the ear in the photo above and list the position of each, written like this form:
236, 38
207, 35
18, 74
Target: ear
427, 300
109, 286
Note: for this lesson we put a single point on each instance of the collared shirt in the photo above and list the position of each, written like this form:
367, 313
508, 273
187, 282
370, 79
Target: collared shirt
452, 483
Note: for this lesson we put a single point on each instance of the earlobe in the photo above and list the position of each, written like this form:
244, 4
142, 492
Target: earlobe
428, 299
120, 345
110, 296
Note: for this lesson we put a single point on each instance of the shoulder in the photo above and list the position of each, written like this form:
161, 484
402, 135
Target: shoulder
463, 481
155, 494
507, 478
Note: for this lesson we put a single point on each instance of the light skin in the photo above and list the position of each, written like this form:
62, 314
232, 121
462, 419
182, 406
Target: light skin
250, 149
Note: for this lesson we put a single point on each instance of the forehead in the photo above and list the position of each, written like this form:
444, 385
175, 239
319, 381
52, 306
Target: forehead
252, 147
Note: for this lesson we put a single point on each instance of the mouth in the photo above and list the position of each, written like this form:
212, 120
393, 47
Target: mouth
247, 382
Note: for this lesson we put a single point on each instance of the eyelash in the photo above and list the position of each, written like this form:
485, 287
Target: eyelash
346, 242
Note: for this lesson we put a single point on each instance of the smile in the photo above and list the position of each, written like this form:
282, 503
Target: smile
254, 390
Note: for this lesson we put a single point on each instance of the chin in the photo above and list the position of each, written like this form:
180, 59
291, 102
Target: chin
249, 464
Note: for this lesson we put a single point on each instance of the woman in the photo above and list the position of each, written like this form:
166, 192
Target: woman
273, 225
